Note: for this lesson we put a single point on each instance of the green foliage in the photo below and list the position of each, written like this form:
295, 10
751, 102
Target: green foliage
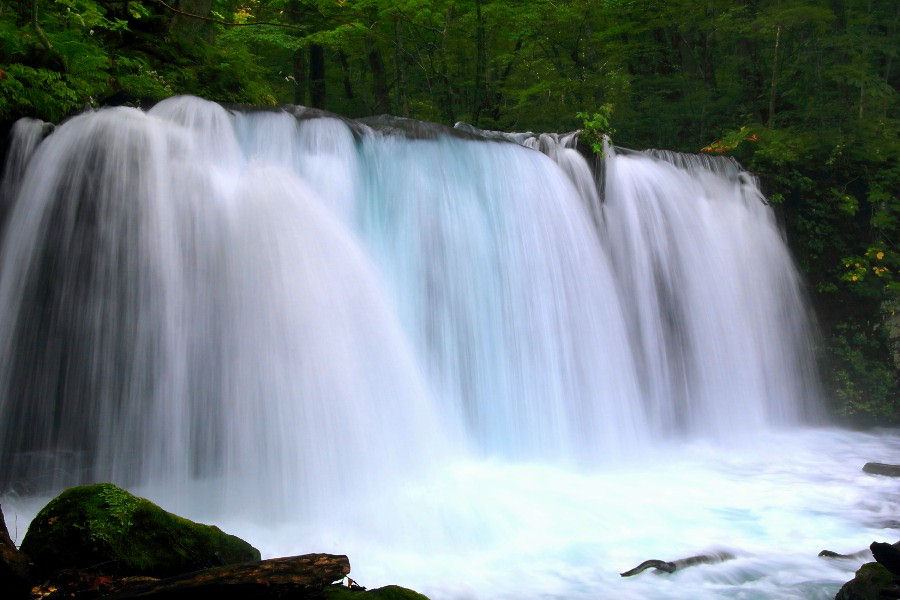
863, 381
36, 91
139, 80
596, 126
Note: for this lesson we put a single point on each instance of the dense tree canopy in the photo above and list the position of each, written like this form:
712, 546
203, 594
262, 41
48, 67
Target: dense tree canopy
803, 92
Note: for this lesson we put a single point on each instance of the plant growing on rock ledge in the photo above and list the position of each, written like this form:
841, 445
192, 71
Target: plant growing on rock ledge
595, 126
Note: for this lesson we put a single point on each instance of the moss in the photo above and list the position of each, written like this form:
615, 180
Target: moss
389, 592
104, 527
870, 579
395, 592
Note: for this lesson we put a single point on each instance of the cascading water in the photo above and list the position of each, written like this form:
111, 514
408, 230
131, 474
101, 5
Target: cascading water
173, 311
24, 137
439, 352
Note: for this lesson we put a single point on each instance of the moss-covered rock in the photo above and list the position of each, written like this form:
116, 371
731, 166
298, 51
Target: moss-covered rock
103, 527
388, 592
870, 580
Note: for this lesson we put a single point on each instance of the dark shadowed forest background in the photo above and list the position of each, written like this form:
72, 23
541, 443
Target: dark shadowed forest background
802, 92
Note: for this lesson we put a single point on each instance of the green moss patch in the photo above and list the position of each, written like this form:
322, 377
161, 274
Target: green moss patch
105, 528
389, 592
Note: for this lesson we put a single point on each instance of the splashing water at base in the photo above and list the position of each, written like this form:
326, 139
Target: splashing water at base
491, 529
452, 357
497, 530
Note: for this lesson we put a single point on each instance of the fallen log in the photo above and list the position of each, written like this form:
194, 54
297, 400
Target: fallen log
882, 469
296, 577
681, 563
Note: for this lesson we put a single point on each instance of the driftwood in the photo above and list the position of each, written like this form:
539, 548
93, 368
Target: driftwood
681, 563
882, 469
296, 577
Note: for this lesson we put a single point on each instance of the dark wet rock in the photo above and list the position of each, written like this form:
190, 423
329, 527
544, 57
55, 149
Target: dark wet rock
103, 529
853, 556
418, 130
887, 555
15, 567
872, 582
865, 553
882, 469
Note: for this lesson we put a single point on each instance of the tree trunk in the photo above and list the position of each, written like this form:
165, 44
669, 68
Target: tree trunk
379, 80
497, 95
300, 82
774, 77
345, 75
317, 76
400, 67
446, 92
480, 67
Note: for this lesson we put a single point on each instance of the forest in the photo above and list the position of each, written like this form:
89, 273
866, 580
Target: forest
802, 92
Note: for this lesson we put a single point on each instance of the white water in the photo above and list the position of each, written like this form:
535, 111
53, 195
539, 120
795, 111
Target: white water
446, 358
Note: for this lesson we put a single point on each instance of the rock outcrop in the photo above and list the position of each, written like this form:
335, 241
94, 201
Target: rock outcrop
872, 582
15, 567
105, 529
882, 469
99, 542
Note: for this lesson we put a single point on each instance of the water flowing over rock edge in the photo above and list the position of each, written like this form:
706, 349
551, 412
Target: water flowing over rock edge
490, 433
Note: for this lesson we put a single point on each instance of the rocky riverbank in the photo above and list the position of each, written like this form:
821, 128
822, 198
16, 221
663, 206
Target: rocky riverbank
99, 541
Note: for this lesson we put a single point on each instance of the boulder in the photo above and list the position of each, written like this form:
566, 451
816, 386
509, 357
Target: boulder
105, 529
882, 469
15, 567
872, 582
888, 556
390, 592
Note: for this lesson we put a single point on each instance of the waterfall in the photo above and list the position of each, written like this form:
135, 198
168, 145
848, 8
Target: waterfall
24, 136
176, 310
476, 362
293, 303
714, 302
